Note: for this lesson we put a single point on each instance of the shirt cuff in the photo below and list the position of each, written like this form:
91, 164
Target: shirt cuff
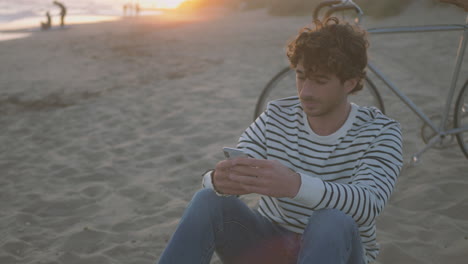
311, 191
206, 182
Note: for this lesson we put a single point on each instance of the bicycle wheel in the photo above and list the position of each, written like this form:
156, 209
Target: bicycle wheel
461, 118
283, 84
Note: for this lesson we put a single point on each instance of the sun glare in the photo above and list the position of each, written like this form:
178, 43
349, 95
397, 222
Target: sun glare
161, 3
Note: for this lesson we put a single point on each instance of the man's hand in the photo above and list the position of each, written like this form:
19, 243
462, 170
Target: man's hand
245, 175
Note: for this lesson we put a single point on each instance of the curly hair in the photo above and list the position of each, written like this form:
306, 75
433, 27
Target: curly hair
331, 47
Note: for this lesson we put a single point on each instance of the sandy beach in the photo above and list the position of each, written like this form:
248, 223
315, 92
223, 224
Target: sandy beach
107, 128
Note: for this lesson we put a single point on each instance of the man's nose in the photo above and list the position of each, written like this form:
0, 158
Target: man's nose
307, 88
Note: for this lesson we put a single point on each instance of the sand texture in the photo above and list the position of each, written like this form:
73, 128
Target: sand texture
106, 129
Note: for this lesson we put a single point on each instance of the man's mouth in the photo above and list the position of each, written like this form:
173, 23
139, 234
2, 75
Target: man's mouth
309, 103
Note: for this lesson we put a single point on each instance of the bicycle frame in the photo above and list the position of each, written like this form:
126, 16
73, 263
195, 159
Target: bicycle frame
441, 131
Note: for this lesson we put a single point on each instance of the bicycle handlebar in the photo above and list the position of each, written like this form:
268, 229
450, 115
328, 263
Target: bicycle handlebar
337, 5
322, 5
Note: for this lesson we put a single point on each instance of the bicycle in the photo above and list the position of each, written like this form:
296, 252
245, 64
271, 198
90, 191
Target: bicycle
432, 135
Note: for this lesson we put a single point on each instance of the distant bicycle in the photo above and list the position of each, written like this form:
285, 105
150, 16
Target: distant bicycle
438, 136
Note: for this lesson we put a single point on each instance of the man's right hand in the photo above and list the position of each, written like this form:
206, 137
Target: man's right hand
221, 181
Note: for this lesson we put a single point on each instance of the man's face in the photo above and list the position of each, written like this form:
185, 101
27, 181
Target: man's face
321, 93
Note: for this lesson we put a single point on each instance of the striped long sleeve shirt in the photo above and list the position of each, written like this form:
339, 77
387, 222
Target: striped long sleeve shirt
353, 170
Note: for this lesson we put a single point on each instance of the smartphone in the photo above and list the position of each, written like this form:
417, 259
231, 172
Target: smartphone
231, 153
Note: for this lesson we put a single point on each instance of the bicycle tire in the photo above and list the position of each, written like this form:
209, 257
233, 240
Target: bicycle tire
262, 99
273, 83
461, 111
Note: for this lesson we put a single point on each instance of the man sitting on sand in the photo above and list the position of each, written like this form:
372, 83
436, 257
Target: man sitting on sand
48, 24
324, 168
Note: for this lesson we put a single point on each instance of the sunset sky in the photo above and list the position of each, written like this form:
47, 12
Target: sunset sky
160, 3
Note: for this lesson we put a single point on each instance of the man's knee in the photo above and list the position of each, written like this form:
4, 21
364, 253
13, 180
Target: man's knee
332, 220
210, 201
208, 198
206, 204
205, 194
205, 197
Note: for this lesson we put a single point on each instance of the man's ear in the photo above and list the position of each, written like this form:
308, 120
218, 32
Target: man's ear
350, 84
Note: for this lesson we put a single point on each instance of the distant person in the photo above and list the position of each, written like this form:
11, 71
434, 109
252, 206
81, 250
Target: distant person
48, 24
125, 9
63, 12
137, 9
130, 8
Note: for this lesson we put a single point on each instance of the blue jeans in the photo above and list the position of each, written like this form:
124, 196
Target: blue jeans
241, 235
